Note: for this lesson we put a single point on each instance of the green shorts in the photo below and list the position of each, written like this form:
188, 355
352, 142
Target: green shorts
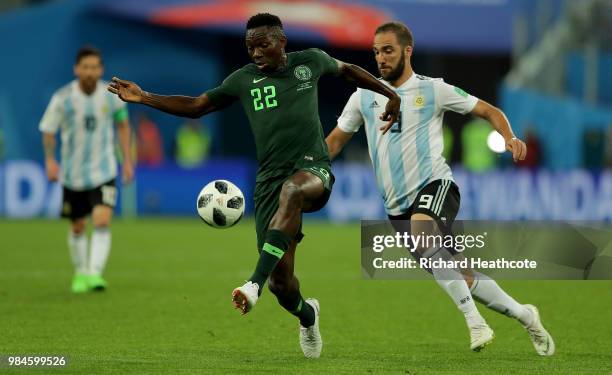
267, 194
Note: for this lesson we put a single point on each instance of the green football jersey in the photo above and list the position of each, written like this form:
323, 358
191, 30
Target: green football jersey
282, 108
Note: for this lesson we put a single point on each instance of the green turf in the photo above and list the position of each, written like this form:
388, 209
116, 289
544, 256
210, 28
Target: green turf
168, 310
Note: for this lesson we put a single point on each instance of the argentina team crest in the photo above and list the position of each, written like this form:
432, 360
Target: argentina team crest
419, 101
303, 73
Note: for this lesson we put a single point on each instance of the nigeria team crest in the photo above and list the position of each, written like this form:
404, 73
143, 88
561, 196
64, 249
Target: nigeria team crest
302, 73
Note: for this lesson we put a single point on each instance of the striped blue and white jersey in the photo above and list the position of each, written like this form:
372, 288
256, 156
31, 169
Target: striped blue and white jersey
409, 156
86, 124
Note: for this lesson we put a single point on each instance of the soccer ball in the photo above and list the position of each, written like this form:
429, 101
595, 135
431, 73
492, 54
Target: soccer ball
220, 204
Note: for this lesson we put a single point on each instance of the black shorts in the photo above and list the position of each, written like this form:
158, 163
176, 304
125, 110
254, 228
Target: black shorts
439, 200
78, 204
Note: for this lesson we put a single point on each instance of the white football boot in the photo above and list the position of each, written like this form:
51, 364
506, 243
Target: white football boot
481, 335
310, 338
245, 297
541, 339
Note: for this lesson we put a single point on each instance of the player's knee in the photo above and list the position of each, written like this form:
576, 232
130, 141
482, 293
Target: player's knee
292, 195
101, 221
78, 227
423, 223
469, 279
423, 226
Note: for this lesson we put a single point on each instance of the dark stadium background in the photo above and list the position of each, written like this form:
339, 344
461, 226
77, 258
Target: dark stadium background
557, 98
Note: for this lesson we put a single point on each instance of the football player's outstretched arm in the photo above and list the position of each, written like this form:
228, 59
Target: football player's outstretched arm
178, 105
367, 81
500, 122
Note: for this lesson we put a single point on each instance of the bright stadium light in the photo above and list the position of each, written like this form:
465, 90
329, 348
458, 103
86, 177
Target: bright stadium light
496, 142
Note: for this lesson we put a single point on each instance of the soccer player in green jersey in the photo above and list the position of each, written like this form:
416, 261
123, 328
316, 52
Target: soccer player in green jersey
278, 92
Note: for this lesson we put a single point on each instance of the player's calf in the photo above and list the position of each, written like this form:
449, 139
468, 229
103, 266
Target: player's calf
488, 292
287, 292
100, 249
277, 243
286, 288
77, 244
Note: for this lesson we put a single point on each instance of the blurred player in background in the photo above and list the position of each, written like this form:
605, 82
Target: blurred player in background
278, 92
416, 183
85, 114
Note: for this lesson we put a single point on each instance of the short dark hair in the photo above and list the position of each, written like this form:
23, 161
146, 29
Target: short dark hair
401, 31
88, 51
264, 19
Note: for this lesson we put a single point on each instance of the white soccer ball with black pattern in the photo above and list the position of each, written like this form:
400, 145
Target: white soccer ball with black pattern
220, 204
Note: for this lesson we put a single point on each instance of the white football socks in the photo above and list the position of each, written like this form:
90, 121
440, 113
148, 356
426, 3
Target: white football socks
77, 243
487, 291
455, 286
100, 248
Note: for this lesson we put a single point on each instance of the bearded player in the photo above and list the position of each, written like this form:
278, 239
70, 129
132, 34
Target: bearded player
278, 92
416, 183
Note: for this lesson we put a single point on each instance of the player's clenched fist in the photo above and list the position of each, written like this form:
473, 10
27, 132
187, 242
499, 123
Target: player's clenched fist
517, 147
126, 90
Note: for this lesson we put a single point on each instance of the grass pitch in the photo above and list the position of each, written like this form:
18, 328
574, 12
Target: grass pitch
168, 310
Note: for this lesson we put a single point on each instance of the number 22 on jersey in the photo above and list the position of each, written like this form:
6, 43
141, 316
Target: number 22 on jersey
266, 100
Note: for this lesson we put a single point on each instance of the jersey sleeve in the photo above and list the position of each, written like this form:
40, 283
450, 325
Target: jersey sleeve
351, 118
120, 112
53, 116
452, 98
325, 63
227, 92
